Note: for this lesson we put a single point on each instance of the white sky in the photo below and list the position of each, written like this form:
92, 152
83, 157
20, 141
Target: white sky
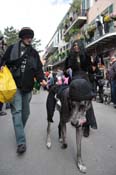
43, 16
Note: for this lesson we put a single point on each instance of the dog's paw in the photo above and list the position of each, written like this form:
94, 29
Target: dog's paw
48, 145
82, 168
64, 146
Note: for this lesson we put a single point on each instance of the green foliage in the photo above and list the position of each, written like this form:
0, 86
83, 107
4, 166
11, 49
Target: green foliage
36, 44
67, 38
61, 55
74, 31
76, 5
11, 35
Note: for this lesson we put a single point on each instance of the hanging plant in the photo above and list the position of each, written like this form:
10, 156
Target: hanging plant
82, 37
67, 38
91, 28
74, 31
76, 5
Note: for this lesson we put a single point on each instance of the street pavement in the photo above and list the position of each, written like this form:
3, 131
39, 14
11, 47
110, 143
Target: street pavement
99, 150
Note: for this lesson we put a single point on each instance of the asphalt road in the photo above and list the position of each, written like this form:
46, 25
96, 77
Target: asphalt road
99, 150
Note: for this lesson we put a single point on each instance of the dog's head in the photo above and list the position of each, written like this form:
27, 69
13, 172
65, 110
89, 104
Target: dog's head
78, 112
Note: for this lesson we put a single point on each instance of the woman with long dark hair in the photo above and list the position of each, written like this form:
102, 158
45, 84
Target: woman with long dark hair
80, 63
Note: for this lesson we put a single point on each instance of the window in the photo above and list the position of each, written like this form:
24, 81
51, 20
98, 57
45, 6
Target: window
88, 4
110, 8
83, 4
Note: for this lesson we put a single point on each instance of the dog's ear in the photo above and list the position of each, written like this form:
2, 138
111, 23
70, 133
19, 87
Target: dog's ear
88, 105
70, 105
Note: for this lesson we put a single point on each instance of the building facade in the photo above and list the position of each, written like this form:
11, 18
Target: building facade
91, 21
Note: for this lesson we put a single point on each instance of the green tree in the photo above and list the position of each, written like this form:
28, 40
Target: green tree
11, 35
76, 5
36, 44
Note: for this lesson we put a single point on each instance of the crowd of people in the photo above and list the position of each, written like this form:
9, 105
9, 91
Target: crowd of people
103, 80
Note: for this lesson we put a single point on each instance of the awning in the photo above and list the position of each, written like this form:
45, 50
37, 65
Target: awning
50, 51
103, 41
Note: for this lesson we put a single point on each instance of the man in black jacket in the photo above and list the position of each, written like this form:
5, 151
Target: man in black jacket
24, 63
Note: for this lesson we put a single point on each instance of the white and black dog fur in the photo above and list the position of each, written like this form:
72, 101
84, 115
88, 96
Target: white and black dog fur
76, 114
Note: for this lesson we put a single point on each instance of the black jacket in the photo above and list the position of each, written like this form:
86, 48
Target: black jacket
96, 75
84, 65
33, 69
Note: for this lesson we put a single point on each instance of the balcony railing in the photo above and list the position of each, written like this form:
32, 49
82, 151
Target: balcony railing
100, 32
78, 18
59, 58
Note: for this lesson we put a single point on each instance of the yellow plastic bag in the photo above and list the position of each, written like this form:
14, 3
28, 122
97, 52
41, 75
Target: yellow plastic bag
7, 85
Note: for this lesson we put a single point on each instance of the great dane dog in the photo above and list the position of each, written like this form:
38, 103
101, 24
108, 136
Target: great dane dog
74, 104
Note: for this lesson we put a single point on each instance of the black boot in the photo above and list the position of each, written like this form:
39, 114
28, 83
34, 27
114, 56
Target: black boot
86, 131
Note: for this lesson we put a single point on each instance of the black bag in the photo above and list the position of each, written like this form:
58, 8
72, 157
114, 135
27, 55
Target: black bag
15, 65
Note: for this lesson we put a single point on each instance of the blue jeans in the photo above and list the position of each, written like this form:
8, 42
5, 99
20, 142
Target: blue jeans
20, 110
113, 87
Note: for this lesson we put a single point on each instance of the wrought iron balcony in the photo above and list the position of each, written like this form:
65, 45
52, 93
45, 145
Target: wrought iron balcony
50, 50
101, 37
78, 19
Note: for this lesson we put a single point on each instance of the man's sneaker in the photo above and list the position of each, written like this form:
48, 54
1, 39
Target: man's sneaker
21, 149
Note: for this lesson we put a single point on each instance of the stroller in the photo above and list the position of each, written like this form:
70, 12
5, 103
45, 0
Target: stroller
107, 92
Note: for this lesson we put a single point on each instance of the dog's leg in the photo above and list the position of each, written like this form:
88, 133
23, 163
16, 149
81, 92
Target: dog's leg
63, 128
60, 133
48, 142
80, 164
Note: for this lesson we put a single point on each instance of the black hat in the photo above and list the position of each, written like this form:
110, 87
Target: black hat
26, 32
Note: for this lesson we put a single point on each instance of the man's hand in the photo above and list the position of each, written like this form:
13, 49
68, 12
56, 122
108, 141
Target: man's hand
1, 68
43, 83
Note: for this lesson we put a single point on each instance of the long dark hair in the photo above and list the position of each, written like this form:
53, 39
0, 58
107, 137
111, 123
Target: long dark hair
71, 60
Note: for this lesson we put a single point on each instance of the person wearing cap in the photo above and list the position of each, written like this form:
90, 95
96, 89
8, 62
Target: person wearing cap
2, 50
24, 62
112, 75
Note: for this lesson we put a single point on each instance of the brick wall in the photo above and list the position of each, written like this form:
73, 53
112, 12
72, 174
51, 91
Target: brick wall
99, 7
